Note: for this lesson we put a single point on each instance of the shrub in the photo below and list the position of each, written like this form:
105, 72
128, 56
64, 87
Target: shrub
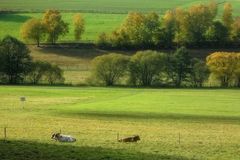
145, 66
109, 68
54, 75
38, 70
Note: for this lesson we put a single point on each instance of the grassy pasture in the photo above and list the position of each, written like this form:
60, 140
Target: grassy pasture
207, 120
103, 6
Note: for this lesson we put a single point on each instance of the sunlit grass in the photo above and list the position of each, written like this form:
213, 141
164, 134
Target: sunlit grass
207, 121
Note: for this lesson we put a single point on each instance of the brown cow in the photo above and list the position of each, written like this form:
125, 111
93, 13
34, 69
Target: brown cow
134, 138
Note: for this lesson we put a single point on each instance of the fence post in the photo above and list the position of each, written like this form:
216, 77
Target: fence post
5, 133
179, 138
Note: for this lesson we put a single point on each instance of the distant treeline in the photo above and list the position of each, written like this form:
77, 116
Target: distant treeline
150, 68
196, 26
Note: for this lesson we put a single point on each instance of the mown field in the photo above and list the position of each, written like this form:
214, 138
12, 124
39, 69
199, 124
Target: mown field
173, 124
100, 15
103, 6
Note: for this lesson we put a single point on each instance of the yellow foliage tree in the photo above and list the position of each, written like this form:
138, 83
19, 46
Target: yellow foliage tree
227, 17
224, 65
54, 24
79, 26
33, 30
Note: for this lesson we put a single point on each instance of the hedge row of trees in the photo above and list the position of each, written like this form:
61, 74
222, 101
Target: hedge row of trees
51, 26
195, 26
147, 68
17, 66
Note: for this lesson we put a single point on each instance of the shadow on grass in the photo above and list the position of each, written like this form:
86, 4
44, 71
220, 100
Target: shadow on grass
29, 150
14, 18
163, 116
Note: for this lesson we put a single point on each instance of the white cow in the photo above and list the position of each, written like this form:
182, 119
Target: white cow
63, 138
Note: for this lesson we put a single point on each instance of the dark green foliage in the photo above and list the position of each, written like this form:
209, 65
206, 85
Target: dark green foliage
15, 60
145, 66
199, 72
178, 66
217, 34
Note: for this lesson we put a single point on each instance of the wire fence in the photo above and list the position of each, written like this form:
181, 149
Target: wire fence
110, 136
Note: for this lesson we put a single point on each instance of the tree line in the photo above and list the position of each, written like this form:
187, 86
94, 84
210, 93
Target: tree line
197, 26
179, 69
18, 67
50, 27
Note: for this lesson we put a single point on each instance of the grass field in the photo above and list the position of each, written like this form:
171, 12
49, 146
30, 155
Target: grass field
173, 124
103, 6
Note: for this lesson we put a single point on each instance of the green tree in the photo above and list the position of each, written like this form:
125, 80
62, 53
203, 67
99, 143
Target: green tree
15, 59
145, 67
199, 72
178, 66
217, 34
54, 24
79, 26
33, 30
109, 68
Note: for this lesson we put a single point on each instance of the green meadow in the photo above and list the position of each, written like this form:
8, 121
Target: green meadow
103, 6
173, 124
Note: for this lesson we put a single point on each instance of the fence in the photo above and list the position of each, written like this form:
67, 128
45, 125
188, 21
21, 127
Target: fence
110, 136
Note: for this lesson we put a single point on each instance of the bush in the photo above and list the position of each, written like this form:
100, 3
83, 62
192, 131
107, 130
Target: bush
54, 75
38, 69
109, 68
145, 66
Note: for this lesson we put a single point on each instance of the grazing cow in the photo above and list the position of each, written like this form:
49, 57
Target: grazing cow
134, 138
63, 138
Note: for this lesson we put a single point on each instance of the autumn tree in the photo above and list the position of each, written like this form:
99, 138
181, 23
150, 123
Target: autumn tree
138, 30
55, 26
169, 28
109, 68
227, 17
222, 65
79, 26
196, 22
236, 30
33, 30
